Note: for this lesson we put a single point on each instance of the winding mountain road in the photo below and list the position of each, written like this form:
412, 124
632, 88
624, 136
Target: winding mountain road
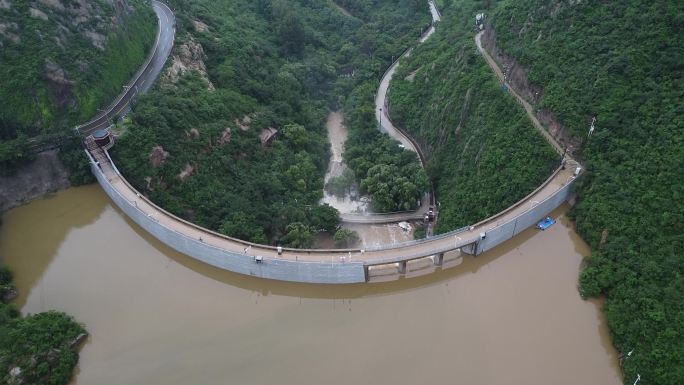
385, 124
147, 74
381, 110
183, 235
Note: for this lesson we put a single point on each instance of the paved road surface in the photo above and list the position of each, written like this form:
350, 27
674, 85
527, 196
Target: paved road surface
389, 128
146, 76
390, 254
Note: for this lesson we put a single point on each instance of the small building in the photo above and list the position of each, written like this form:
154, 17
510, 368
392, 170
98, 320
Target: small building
103, 138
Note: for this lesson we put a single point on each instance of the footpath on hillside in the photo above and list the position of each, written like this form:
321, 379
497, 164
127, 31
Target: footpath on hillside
526, 105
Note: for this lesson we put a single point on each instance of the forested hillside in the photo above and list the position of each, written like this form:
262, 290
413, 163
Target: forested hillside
61, 61
483, 152
234, 137
620, 62
623, 63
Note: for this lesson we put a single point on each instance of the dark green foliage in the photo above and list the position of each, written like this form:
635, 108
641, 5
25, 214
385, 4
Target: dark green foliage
244, 226
5, 275
283, 63
398, 183
54, 75
345, 238
6, 285
298, 235
483, 153
420, 232
234, 183
75, 160
13, 152
40, 344
392, 176
394, 189
32, 102
341, 185
325, 217
621, 62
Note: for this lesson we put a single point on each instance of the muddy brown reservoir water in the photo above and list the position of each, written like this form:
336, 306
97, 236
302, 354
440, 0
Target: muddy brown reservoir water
511, 316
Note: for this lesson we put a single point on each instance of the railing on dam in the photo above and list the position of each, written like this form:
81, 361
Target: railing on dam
338, 269
273, 268
507, 230
334, 266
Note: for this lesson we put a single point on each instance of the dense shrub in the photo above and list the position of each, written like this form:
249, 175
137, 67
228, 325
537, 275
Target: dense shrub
37, 349
483, 152
281, 64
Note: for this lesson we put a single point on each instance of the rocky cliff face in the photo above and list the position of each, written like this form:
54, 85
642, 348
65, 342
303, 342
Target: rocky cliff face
188, 56
44, 175
517, 78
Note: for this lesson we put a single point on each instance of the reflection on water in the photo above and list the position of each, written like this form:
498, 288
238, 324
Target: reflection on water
511, 316
31, 237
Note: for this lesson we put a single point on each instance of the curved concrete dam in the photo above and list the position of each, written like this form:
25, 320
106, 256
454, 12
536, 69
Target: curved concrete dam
156, 317
320, 266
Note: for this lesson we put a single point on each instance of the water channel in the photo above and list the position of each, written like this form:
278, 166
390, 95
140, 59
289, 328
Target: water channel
510, 316
370, 235
337, 135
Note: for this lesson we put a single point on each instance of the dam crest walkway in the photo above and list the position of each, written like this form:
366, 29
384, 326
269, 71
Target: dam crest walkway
318, 265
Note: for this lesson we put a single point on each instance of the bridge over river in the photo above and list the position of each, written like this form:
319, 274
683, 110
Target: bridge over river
335, 266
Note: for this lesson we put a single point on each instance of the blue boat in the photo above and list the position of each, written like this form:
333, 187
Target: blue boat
545, 223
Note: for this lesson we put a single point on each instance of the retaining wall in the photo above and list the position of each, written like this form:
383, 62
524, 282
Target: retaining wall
333, 272
515, 226
272, 268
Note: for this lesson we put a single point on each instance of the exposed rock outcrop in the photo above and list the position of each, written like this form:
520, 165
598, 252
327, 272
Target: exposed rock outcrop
186, 172
54, 4
158, 156
10, 32
76, 343
192, 134
200, 26
99, 40
37, 14
267, 135
244, 123
226, 137
55, 73
517, 78
45, 174
59, 85
189, 56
